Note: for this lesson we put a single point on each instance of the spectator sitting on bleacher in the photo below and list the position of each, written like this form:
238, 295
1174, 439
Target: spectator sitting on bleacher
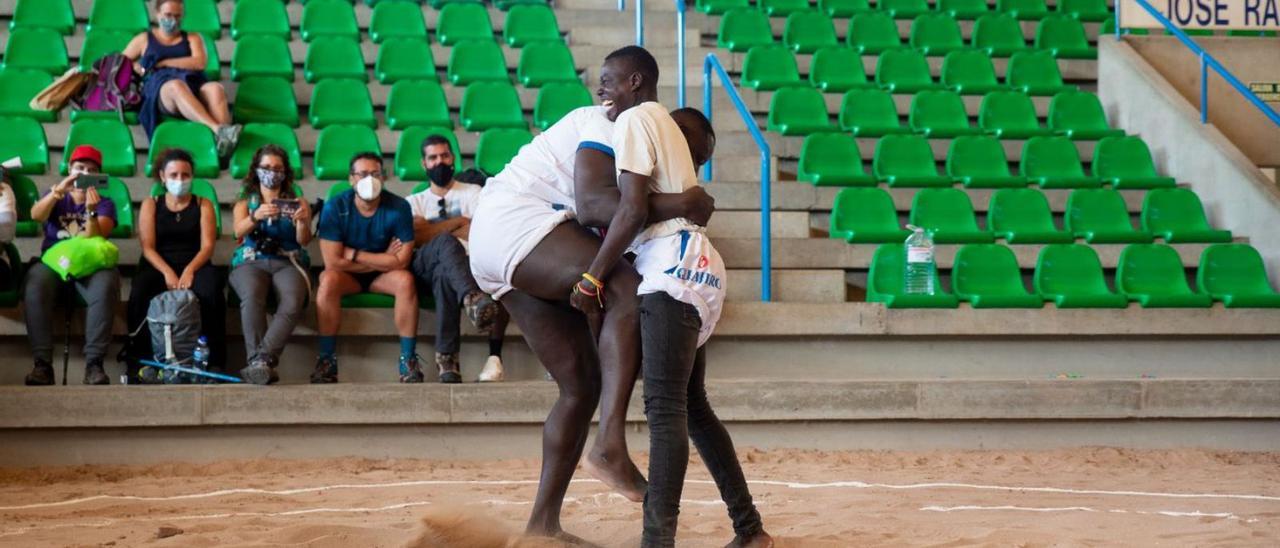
366, 239
70, 212
275, 225
172, 63
8, 225
441, 220
178, 231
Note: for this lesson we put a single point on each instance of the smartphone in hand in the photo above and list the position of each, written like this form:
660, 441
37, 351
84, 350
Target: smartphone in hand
86, 181
287, 207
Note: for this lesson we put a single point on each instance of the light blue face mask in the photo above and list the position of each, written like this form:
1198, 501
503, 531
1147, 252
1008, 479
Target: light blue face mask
178, 187
169, 25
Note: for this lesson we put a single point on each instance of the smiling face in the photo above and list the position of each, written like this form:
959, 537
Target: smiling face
617, 88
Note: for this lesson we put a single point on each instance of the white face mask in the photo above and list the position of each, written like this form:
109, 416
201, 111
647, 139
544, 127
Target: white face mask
177, 187
368, 188
268, 178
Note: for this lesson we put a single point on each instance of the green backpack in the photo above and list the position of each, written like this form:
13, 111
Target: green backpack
80, 257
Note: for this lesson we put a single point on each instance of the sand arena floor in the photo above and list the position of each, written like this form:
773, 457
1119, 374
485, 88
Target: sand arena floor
1079, 497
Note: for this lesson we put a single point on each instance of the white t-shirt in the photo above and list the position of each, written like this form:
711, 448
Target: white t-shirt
647, 141
544, 167
459, 201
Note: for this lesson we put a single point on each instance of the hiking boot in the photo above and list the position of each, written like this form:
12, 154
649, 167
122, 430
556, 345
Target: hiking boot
148, 374
227, 138
261, 371
410, 370
41, 374
326, 370
492, 371
94, 374
450, 372
481, 309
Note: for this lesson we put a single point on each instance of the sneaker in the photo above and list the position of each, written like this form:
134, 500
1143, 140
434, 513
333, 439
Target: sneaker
326, 370
450, 372
261, 371
492, 371
226, 138
41, 374
481, 309
410, 370
94, 374
150, 375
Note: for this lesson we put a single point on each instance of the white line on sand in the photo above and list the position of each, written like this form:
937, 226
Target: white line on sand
1170, 513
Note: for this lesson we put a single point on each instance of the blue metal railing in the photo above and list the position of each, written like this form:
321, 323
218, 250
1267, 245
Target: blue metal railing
680, 85
640, 23
712, 63
1206, 62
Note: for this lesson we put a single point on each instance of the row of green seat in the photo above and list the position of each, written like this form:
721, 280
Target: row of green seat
1071, 276
1084, 10
1022, 216
931, 34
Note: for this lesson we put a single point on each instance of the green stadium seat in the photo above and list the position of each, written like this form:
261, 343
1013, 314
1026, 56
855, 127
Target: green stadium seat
837, 69
440, 4
202, 16
1035, 73
1079, 115
123, 15
1070, 276
870, 113
969, 72
1234, 274
55, 15
487, 105
1064, 37
544, 62
36, 49
1053, 162
832, 159
404, 59
1153, 276
1023, 10
25, 195
1009, 115
798, 111
119, 194
1100, 217
782, 8
1251, 33
1177, 216
843, 8
476, 61
767, 68
508, 5
1125, 163
886, 282
341, 101
253, 137
531, 23
936, 34
336, 145
998, 34
866, 215
807, 31
111, 137
460, 22
557, 99
408, 161
498, 146
744, 28
203, 189
978, 161
18, 87
903, 9
873, 32
964, 9
397, 20
938, 114
100, 43
906, 161
1022, 216
261, 56
988, 276
331, 57
24, 137
948, 214
417, 103
192, 137
213, 63
324, 18
720, 7
903, 71
130, 117
264, 99
1085, 10
259, 17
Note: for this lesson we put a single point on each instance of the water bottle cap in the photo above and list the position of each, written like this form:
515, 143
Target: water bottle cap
202, 340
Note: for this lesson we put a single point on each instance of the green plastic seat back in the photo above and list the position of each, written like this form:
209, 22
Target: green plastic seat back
460, 22
507, 5
943, 210
488, 105
111, 137
18, 87
530, 23
868, 108
24, 137
265, 99
998, 34
337, 188
25, 195
202, 189
837, 69
337, 144
557, 99
986, 269
259, 17
865, 210
55, 15
255, 136
36, 49
1077, 110
1069, 269
260, 55
935, 33
977, 156
964, 9
498, 146
769, 68
123, 15
404, 59
213, 63
903, 9
904, 156
1054, 157
1061, 32
1023, 9
1123, 157
475, 61
744, 28
873, 32
440, 4
332, 57
397, 20
1085, 10
968, 68
937, 111
1034, 69
798, 111
341, 101
720, 7
417, 103
1227, 269
202, 16
1014, 210
1097, 210
887, 276
543, 62
843, 8
101, 42
902, 68
830, 157
1172, 210
782, 8
1007, 111
328, 18
192, 137
119, 194
1151, 269
408, 161
806, 31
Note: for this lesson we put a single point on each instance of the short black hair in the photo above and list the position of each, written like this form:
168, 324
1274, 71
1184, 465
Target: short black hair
639, 60
436, 139
703, 123
364, 156
167, 156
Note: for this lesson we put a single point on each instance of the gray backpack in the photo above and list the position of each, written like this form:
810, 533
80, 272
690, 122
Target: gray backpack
174, 319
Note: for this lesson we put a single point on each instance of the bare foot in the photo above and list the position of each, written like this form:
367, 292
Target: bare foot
758, 540
621, 475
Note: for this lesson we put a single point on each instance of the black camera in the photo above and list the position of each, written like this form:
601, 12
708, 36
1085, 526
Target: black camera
265, 245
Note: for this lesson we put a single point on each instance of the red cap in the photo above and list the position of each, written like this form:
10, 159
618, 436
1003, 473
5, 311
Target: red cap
86, 152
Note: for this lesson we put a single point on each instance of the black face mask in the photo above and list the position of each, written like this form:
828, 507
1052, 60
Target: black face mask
441, 174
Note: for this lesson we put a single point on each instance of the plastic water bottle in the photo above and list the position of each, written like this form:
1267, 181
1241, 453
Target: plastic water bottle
200, 356
920, 268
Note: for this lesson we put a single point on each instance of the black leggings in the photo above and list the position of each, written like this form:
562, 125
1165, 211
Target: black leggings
207, 285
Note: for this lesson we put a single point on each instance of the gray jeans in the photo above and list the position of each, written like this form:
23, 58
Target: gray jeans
101, 294
252, 281
442, 267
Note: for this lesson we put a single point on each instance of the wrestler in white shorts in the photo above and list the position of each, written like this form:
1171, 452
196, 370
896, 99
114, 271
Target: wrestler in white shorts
506, 227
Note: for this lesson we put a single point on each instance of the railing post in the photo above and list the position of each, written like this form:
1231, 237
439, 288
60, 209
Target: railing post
622, 5
1117, 4
680, 66
766, 227
1204, 89
640, 23
706, 105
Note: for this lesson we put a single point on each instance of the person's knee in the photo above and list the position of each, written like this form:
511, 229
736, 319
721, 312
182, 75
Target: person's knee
174, 87
402, 284
290, 300
214, 91
327, 293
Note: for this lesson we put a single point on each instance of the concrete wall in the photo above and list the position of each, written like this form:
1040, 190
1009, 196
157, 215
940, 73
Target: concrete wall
1236, 194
